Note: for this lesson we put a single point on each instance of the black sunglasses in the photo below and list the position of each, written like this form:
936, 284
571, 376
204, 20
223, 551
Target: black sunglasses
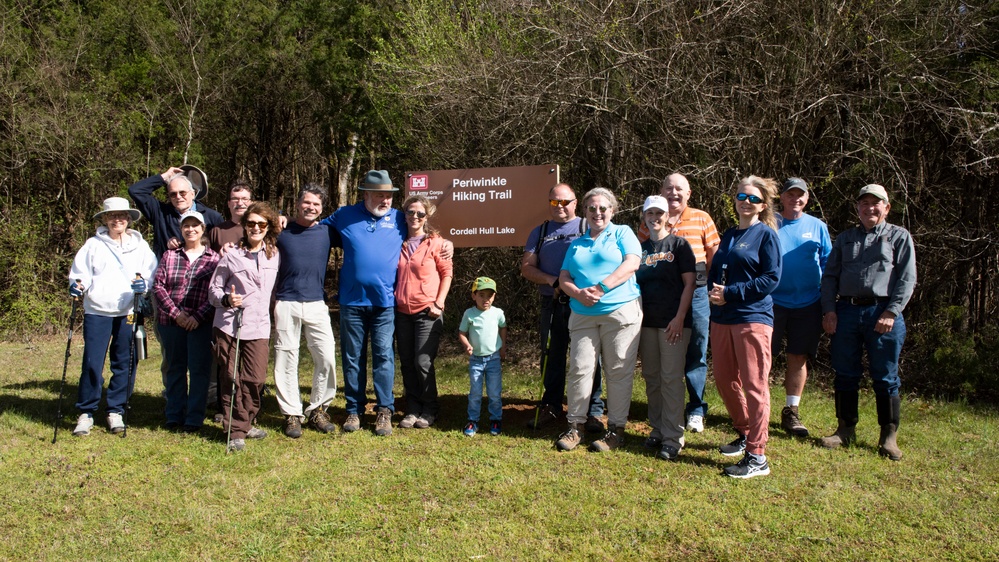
415, 213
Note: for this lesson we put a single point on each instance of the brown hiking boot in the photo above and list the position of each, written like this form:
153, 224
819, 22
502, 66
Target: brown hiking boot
352, 423
791, 422
543, 415
611, 440
594, 425
320, 421
844, 436
570, 439
383, 422
292, 427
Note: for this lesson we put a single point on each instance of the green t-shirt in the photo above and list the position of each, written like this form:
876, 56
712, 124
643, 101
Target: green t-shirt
482, 327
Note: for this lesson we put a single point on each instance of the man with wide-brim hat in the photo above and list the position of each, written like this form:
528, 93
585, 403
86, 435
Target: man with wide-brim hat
372, 234
182, 193
867, 282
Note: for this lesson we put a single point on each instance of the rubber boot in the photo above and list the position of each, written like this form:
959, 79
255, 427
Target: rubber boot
889, 412
846, 412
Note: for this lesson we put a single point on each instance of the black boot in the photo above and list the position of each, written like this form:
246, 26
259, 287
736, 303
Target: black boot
846, 412
889, 412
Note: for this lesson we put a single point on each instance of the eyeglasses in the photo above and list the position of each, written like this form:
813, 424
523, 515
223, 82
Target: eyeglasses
372, 226
415, 213
560, 202
261, 225
240, 199
594, 208
179, 194
120, 216
754, 199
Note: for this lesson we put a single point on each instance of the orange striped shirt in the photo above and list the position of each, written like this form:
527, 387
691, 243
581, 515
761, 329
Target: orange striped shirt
696, 227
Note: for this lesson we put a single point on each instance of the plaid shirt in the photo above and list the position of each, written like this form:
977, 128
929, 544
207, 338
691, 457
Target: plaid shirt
181, 285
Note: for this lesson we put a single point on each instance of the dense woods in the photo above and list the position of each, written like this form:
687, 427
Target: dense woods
97, 94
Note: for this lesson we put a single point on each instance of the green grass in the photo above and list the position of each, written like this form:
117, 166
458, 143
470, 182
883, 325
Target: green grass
437, 495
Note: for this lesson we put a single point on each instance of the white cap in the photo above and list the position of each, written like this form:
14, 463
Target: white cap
191, 213
656, 202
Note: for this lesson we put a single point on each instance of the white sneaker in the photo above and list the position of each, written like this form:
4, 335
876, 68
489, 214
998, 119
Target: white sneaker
83, 425
695, 423
115, 423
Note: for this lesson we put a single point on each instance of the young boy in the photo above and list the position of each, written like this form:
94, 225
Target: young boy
483, 333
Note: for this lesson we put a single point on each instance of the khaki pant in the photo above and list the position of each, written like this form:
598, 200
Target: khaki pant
614, 339
663, 370
291, 320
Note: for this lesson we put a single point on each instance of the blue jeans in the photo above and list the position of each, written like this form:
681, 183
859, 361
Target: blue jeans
358, 325
855, 333
103, 336
555, 317
696, 363
187, 352
488, 367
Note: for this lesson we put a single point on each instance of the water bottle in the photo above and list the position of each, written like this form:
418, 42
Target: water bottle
140, 343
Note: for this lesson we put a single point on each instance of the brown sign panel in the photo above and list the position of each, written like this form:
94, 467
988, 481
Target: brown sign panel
486, 207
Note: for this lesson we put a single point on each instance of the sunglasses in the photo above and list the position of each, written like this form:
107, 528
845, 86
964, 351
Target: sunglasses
117, 216
179, 194
262, 225
754, 199
594, 208
417, 214
560, 202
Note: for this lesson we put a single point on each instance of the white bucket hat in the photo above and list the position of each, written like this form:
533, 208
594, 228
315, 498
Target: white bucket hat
112, 204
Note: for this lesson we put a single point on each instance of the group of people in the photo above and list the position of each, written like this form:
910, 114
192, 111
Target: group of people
607, 295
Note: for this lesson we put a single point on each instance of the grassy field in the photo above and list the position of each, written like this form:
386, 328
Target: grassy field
438, 495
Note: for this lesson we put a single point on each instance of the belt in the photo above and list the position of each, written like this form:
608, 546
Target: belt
864, 301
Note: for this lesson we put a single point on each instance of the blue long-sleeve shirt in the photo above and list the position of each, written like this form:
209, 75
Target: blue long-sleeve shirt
748, 264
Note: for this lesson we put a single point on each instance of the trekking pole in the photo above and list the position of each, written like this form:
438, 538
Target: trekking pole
65, 365
235, 374
544, 362
132, 363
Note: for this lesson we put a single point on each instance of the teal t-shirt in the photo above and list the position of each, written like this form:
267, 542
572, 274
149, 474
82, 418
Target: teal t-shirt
589, 261
482, 327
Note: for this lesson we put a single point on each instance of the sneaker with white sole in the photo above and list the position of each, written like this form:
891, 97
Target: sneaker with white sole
750, 466
408, 421
83, 425
424, 421
695, 423
256, 433
115, 423
735, 448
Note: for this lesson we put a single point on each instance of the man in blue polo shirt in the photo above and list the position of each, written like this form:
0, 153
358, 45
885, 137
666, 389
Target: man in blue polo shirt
541, 264
372, 233
805, 247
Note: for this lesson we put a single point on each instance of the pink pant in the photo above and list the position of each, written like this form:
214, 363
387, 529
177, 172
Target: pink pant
741, 363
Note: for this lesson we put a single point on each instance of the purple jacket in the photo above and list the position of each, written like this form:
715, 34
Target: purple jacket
255, 282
